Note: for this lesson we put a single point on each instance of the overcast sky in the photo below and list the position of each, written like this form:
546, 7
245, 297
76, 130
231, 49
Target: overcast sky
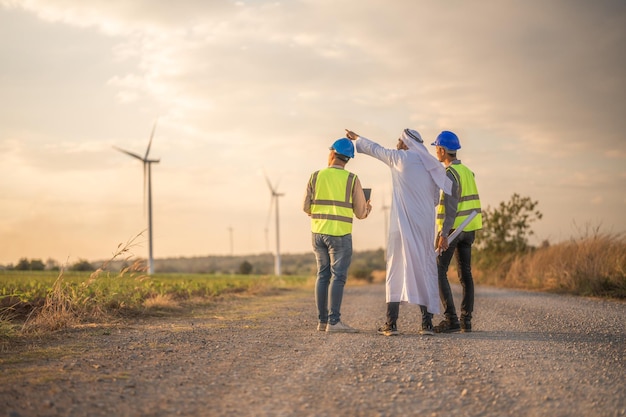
535, 91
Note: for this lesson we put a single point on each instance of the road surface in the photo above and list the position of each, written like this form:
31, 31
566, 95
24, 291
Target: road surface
530, 354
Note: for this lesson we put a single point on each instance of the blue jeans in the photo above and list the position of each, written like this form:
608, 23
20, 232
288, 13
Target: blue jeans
333, 255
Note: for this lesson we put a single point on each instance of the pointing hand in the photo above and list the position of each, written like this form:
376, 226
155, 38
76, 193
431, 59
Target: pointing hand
351, 135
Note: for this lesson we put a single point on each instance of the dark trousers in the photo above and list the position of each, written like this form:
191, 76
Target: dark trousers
462, 247
393, 310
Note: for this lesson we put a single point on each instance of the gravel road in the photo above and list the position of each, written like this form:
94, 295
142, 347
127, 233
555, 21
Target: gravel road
531, 354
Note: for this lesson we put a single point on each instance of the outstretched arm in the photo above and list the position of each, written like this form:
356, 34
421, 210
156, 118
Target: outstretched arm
371, 148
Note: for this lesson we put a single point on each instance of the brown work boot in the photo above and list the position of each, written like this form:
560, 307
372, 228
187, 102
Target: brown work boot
448, 326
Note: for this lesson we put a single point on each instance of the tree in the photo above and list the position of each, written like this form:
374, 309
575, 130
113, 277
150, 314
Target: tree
506, 229
82, 265
37, 265
52, 265
33, 265
22, 265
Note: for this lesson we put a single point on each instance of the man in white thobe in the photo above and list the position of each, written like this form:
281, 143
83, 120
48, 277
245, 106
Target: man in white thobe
417, 177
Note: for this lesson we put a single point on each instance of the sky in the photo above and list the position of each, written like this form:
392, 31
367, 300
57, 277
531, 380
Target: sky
241, 91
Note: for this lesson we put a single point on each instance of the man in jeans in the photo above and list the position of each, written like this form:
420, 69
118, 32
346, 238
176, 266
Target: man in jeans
452, 211
333, 195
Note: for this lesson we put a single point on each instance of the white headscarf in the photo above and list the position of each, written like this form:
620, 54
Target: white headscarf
413, 140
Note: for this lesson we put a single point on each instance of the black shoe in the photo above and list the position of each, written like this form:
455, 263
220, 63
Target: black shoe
448, 326
389, 330
427, 330
427, 327
466, 325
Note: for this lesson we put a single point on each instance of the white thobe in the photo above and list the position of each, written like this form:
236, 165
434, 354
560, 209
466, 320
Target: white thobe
411, 258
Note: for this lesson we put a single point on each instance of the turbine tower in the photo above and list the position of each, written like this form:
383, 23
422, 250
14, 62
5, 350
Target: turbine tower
230, 231
386, 218
274, 200
147, 188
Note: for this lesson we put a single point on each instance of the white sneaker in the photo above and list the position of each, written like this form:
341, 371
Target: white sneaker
321, 327
340, 327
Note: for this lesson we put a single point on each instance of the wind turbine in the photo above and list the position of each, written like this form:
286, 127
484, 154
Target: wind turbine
230, 231
147, 187
274, 200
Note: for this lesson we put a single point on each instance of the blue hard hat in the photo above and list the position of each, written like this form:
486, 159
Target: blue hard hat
447, 140
343, 147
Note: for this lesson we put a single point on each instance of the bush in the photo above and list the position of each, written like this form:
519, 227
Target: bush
363, 274
506, 229
245, 268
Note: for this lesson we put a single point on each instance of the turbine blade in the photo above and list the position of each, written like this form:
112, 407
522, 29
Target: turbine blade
150, 142
269, 184
134, 155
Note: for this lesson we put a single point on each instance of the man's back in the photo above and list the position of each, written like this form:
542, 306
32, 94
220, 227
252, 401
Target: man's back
415, 194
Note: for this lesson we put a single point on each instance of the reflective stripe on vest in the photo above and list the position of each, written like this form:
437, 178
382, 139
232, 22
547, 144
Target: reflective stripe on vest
468, 202
331, 208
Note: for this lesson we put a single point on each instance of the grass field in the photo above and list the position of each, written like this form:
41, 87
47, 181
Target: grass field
34, 302
40, 301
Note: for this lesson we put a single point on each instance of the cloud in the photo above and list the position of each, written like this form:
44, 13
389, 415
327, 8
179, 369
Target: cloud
252, 58
535, 91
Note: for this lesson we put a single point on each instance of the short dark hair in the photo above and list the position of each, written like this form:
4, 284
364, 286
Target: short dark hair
342, 157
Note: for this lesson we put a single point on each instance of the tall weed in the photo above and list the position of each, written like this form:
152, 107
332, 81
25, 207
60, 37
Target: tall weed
592, 265
68, 302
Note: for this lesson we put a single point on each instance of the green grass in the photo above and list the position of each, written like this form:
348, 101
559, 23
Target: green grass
38, 301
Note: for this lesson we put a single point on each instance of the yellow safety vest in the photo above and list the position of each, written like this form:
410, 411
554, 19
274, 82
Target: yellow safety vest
331, 208
468, 201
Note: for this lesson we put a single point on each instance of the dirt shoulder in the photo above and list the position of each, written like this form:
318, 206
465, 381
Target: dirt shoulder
531, 354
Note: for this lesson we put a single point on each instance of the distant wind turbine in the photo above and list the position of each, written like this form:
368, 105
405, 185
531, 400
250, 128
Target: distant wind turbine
147, 187
274, 200
230, 231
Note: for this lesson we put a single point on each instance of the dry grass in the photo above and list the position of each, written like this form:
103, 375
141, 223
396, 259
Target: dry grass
162, 302
593, 265
59, 310
66, 304
7, 330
